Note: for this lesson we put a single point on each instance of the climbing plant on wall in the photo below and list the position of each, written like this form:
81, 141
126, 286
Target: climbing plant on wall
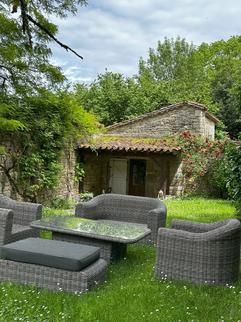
51, 121
198, 156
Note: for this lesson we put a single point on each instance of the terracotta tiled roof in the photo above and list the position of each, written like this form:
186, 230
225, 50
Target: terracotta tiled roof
128, 144
163, 110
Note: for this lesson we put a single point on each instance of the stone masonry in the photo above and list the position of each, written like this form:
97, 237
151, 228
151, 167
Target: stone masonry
168, 120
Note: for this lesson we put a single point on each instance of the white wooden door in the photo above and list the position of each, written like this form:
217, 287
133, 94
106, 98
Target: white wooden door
118, 175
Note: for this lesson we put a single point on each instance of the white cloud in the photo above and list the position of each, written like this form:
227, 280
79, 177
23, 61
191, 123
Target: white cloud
114, 34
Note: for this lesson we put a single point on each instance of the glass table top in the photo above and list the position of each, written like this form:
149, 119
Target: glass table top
103, 229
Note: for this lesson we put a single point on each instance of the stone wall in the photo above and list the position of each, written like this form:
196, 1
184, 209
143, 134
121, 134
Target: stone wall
176, 120
96, 173
67, 185
7, 164
208, 128
177, 182
5, 187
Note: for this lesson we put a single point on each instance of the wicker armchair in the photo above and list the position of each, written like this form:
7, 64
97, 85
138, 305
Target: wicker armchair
140, 210
199, 252
23, 213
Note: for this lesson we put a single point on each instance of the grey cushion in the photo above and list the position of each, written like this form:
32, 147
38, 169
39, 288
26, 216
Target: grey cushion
54, 253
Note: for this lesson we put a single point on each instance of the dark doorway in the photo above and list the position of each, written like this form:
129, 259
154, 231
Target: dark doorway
137, 178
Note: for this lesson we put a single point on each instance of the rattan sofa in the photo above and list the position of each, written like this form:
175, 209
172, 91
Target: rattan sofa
43, 276
201, 253
23, 214
141, 210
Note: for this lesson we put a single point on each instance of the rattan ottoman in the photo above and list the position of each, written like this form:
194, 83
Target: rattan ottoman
53, 278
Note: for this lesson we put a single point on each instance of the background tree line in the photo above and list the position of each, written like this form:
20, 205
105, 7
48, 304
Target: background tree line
40, 115
175, 71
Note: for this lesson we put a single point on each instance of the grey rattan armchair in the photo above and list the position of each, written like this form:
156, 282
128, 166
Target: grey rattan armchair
199, 252
141, 210
23, 214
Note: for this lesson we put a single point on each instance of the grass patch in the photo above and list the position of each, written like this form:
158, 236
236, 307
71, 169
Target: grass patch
131, 293
55, 212
199, 209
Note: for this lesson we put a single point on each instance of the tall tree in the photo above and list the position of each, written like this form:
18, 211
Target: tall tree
24, 53
34, 18
37, 116
25, 34
179, 66
113, 97
169, 61
209, 74
226, 90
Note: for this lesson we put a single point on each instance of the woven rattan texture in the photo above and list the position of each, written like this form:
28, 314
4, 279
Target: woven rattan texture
199, 253
43, 276
142, 210
23, 214
53, 278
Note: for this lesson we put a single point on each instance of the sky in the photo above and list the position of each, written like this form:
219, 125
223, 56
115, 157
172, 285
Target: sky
114, 34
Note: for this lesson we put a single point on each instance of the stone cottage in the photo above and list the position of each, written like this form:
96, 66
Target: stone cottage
133, 157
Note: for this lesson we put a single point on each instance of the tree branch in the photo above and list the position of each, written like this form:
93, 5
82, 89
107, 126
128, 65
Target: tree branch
3, 82
36, 23
25, 24
5, 67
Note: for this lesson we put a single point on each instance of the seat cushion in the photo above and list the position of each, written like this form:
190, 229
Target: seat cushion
54, 253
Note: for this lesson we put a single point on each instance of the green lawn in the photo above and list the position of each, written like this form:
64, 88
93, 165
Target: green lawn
131, 292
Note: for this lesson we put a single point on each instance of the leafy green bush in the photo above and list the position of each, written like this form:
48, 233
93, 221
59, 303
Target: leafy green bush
62, 203
86, 196
54, 121
216, 178
198, 155
234, 174
225, 173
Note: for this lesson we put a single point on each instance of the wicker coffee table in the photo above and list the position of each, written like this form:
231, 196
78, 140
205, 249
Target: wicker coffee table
111, 236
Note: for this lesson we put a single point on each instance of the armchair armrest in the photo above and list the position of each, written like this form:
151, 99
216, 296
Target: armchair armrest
156, 218
88, 209
193, 226
170, 236
174, 234
6, 222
